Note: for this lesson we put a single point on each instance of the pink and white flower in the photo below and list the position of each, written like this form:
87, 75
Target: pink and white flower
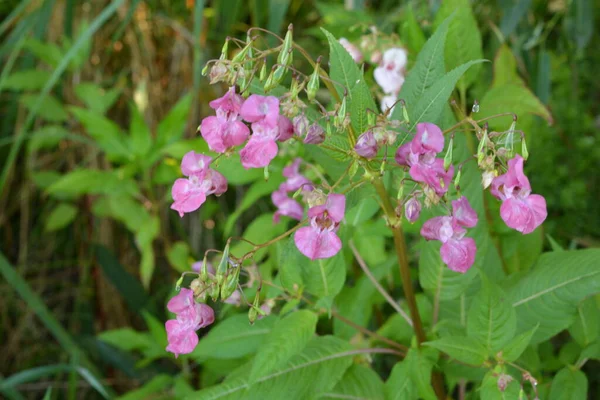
520, 209
390, 74
354, 52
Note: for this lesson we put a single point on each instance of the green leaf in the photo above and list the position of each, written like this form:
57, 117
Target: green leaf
420, 363
411, 32
322, 278
96, 98
463, 349
261, 230
126, 339
437, 278
179, 255
313, 372
47, 137
579, 22
172, 127
463, 43
359, 382
230, 168
344, 71
513, 349
586, 328
489, 388
27, 79
146, 233
491, 320
62, 215
140, 137
428, 68
50, 110
569, 384
287, 338
505, 68
512, 15
399, 385
106, 133
91, 181
151, 389
519, 251
550, 292
47, 52
431, 104
233, 338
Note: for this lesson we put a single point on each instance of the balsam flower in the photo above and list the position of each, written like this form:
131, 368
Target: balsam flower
285, 205
225, 130
412, 209
520, 209
366, 145
190, 316
319, 240
258, 108
457, 251
390, 74
354, 52
189, 194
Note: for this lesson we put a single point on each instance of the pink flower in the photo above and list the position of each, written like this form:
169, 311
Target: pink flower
229, 105
390, 74
258, 108
295, 180
190, 316
520, 209
420, 155
286, 129
319, 240
189, 194
352, 50
315, 134
457, 251
366, 145
286, 206
412, 209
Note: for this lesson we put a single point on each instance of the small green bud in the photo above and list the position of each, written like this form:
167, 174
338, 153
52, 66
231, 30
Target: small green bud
231, 283
224, 50
254, 309
214, 291
223, 265
278, 75
179, 283
405, 113
457, 179
266, 172
242, 54
400, 191
510, 138
263, 71
269, 82
353, 169
285, 55
341, 114
205, 70
204, 270
370, 119
482, 148
524, 151
313, 83
448, 156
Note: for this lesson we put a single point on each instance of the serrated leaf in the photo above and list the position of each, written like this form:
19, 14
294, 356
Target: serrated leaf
463, 349
50, 110
586, 328
513, 349
431, 104
28, 79
233, 338
420, 363
313, 372
411, 32
61, 216
346, 73
569, 384
505, 68
399, 385
47, 52
287, 338
491, 319
464, 39
437, 278
106, 133
550, 292
359, 382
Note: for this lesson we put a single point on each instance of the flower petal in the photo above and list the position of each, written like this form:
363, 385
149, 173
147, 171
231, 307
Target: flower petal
459, 255
464, 213
316, 244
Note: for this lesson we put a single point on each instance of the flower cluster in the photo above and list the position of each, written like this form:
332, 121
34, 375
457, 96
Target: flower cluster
191, 316
520, 209
189, 194
295, 181
457, 251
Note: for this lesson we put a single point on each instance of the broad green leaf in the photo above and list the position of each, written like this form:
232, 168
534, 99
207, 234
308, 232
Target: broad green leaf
27, 79
359, 382
463, 349
514, 11
233, 338
50, 110
106, 133
171, 128
431, 104
505, 68
126, 339
586, 328
362, 212
287, 338
252, 195
230, 168
397, 328
411, 32
420, 363
47, 137
313, 372
491, 320
550, 292
89, 181
179, 255
47, 52
151, 389
592, 351
428, 68
140, 138
513, 349
463, 43
145, 234
96, 98
399, 385
322, 278
489, 388
579, 22
569, 384
277, 11
261, 230
519, 251
344, 71
437, 278
123, 208
62, 215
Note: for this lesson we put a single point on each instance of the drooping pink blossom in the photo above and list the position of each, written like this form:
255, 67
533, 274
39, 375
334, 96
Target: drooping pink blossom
259, 108
319, 240
520, 209
229, 105
366, 145
295, 180
225, 130
390, 74
457, 251
354, 52
286, 206
315, 134
190, 316
412, 209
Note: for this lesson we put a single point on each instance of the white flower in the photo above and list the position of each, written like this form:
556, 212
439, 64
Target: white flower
388, 101
390, 74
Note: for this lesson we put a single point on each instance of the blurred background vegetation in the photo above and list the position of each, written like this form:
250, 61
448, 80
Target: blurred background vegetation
101, 99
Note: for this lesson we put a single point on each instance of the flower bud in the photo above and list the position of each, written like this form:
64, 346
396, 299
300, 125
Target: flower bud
242, 54
230, 284
315, 134
482, 148
448, 156
266, 173
341, 114
205, 70
503, 381
524, 151
487, 177
285, 55
179, 283
263, 71
278, 76
214, 291
204, 270
218, 73
412, 209
313, 83
457, 179
224, 49
301, 124
197, 286
366, 145
223, 265
254, 308
269, 82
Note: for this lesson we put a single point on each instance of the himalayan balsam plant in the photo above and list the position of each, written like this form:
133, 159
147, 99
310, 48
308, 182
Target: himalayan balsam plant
347, 161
